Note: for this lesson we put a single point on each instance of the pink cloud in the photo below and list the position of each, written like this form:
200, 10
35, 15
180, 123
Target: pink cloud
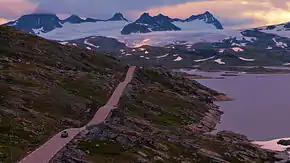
2, 20
238, 13
14, 8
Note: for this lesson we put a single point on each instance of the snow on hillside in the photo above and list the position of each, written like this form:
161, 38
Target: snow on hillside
219, 61
75, 31
279, 30
237, 49
246, 59
170, 37
162, 56
199, 25
205, 59
280, 44
90, 44
178, 59
272, 144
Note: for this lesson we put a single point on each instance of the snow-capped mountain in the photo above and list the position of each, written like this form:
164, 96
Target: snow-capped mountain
32, 22
44, 24
207, 18
282, 30
74, 19
118, 17
147, 23
74, 27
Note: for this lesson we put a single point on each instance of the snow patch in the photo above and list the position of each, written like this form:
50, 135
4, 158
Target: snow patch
146, 52
269, 48
237, 49
205, 59
38, 31
280, 44
221, 50
178, 59
89, 48
142, 49
272, 145
128, 54
246, 59
162, 56
219, 61
90, 44
64, 43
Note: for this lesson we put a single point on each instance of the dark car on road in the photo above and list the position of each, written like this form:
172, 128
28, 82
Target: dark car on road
64, 134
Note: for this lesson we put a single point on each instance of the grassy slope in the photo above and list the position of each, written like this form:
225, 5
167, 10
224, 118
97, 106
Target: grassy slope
46, 87
151, 126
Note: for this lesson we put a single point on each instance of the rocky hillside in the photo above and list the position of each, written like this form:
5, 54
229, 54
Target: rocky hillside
46, 87
252, 48
162, 117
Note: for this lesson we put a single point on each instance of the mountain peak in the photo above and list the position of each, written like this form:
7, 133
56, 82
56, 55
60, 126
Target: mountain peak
207, 13
161, 15
28, 23
207, 17
75, 16
145, 15
74, 19
118, 17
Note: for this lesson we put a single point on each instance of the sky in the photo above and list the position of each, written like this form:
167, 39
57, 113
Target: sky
231, 13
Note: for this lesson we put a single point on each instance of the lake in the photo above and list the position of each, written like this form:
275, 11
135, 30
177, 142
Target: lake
261, 110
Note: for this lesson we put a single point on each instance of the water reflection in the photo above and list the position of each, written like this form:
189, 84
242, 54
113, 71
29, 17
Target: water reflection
262, 106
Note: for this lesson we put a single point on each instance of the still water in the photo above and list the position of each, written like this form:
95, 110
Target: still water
261, 110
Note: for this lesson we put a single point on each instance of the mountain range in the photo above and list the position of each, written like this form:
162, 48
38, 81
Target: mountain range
147, 23
43, 23
39, 23
262, 46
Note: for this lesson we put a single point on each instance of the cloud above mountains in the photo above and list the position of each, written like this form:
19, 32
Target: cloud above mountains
232, 13
14, 8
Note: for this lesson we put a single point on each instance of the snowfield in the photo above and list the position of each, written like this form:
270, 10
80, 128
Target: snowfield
75, 31
170, 37
199, 25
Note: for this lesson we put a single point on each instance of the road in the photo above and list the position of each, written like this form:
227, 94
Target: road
49, 149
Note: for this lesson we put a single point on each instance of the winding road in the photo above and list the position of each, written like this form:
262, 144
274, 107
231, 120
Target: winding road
49, 149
